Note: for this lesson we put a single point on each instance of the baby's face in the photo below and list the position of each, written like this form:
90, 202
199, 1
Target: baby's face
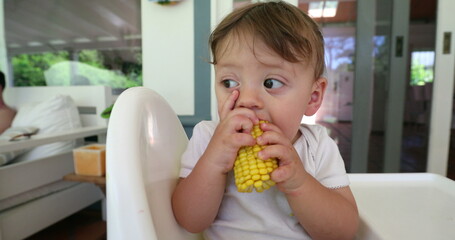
275, 89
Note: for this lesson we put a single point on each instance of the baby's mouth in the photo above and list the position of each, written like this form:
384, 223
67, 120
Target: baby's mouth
264, 120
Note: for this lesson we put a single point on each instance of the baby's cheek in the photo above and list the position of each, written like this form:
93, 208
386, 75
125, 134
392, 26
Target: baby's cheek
290, 130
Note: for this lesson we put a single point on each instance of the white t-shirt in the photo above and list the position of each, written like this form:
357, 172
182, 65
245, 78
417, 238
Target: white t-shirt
267, 215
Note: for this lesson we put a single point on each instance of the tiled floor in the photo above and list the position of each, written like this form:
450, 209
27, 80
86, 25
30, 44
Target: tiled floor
84, 225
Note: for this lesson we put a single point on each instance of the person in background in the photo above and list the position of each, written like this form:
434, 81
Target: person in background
6, 113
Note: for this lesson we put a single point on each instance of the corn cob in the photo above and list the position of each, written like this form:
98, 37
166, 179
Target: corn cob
251, 172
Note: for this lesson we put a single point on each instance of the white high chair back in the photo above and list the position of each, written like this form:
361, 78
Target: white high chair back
145, 140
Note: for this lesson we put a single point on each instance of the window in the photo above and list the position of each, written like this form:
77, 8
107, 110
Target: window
422, 64
74, 42
321, 9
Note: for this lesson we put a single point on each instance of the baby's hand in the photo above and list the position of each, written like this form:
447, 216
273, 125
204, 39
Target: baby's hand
290, 174
232, 132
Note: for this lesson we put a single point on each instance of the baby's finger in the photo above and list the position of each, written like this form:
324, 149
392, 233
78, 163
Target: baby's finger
243, 120
281, 174
229, 104
242, 139
273, 137
288, 178
268, 126
236, 121
284, 154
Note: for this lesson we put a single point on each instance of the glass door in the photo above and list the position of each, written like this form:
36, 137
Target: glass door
368, 68
417, 109
337, 20
358, 47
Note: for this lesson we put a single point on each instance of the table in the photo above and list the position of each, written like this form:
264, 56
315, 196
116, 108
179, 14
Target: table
98, 181
404, 206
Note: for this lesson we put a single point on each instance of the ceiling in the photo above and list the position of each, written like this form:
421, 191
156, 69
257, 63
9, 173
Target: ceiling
49, 25
420, 10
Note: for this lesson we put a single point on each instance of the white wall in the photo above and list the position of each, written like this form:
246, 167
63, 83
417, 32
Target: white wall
441, 108
168, 52
219, 9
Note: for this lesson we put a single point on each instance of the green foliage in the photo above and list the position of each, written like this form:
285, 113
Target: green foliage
420, 75
92, 69
107, 112
92, 58
29, 68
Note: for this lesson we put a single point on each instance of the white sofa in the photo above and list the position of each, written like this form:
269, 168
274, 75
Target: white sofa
33, 195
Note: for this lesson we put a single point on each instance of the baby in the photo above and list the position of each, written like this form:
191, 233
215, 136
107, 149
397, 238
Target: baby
269, 62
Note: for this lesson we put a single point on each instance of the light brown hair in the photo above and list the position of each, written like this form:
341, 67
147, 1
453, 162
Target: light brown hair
284, 28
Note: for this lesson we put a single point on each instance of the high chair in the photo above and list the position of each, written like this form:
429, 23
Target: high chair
145, 140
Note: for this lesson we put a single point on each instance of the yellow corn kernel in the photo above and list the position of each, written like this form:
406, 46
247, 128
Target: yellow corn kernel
250, 172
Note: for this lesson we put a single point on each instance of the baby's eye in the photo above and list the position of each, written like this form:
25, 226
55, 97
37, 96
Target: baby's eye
272, 83
228, 83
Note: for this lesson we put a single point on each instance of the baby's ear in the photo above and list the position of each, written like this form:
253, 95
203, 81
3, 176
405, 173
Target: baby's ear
317, 94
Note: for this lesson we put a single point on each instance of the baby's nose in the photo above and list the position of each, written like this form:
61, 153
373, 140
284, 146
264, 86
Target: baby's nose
249, 99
